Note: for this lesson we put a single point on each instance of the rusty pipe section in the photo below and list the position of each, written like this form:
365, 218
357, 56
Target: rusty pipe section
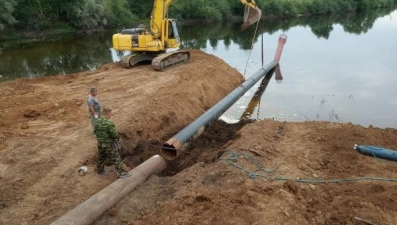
91, 209
178, 143
281, 42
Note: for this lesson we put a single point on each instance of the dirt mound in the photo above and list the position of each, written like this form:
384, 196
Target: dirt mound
45, 131
274, 173
263, 172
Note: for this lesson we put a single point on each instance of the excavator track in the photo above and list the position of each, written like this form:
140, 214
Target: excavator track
131, 60
170, 59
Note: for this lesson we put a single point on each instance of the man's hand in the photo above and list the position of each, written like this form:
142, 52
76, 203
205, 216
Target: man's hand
96, 116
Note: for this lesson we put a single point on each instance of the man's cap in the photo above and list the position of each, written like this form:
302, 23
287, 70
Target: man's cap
93, 89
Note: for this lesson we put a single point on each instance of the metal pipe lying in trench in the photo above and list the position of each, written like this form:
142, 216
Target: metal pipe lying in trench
178, 143
91, 209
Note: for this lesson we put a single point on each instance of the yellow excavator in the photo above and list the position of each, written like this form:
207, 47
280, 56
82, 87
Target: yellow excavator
150, 44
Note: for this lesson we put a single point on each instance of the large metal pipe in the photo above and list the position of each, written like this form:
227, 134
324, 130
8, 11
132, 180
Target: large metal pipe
91, 209
178, 143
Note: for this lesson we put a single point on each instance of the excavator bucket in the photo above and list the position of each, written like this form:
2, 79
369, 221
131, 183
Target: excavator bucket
251, 16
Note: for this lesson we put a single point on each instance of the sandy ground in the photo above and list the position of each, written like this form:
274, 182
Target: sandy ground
253, 172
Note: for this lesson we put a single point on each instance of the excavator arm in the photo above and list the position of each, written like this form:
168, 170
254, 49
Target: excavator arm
159, 14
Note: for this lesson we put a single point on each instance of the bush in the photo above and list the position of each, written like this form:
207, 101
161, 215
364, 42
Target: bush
117, 14
89, 14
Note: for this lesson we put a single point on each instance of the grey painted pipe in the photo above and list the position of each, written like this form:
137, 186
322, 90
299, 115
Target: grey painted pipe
178, 143
91, 209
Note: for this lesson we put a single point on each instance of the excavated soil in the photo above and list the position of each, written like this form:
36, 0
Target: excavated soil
252, 172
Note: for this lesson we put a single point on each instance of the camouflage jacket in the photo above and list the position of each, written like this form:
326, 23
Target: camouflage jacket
105, 131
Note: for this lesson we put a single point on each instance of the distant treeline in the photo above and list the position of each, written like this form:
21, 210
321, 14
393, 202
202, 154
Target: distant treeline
43, 15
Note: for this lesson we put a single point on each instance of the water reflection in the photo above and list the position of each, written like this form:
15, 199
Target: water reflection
255, 101
345, 78
55, 57
279, 77
196, 36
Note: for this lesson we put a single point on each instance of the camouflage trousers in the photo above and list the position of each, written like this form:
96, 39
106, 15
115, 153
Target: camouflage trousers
108, 150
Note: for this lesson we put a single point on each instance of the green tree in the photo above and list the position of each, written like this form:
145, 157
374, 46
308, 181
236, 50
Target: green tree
7, 7
90, 14
39, 15
118, 14
32, 14
143, 8
201, 9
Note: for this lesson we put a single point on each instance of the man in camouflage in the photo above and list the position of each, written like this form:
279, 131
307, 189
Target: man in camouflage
107, 136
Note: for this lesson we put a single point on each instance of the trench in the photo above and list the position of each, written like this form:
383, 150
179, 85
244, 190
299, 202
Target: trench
206, 148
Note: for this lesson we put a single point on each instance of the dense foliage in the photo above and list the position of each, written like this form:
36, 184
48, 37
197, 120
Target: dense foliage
317, 7
38, 15
7, 8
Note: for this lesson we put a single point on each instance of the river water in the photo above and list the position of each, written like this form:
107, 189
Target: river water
339, 68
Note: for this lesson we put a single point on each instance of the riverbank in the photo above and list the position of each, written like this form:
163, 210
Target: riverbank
46, 136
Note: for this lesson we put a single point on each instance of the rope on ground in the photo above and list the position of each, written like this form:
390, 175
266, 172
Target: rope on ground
233, 157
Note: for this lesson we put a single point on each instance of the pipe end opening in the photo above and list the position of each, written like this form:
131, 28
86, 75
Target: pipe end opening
282, 38
169, 152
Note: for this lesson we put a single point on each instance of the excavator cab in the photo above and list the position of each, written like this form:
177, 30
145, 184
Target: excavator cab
172, 40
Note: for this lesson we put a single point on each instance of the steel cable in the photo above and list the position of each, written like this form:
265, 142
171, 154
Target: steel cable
235, 156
